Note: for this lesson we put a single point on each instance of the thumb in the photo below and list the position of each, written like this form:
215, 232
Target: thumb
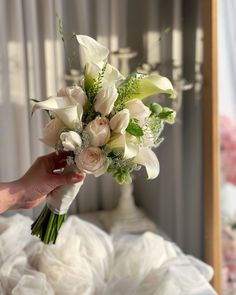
67, 178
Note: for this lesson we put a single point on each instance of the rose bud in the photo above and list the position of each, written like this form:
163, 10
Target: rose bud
98, 131
120, 121
70, 140
105, 99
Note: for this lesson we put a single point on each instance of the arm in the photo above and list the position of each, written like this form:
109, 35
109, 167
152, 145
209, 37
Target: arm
32, 189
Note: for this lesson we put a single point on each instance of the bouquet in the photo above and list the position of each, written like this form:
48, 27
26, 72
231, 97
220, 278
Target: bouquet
105, 126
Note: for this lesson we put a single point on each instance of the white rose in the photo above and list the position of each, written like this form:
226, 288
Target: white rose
138, 110
105, 99
75, 94
92, 160
51, 132
98, 131
120, 121
70, 140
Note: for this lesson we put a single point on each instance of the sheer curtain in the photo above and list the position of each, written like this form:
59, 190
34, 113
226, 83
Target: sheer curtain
33, 65
227, 58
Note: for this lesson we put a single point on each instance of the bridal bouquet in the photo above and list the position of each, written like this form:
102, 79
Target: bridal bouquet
105, 126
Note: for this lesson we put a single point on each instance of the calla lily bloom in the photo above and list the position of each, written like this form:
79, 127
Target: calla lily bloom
61, 107
94, 57
148, 159
128, 144
155, 84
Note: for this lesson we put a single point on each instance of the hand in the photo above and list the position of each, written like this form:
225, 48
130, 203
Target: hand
32, 189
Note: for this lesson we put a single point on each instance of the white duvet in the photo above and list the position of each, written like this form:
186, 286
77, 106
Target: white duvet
88, 261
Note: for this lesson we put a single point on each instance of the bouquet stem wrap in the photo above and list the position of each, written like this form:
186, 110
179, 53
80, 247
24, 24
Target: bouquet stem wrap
49, 222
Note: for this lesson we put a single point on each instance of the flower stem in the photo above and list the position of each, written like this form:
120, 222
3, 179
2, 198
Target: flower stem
47, 225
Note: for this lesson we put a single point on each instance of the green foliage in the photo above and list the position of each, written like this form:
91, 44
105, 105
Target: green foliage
155, 108
120, 168
92, 88
134, 128
121, 175
168, 115
95, 85
127, 89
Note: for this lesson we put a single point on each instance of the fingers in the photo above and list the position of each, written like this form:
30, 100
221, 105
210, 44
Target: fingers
68, 178
60, 164
55, 161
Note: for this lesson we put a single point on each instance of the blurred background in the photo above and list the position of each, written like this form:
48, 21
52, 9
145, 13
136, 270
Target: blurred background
227, 113
162, 36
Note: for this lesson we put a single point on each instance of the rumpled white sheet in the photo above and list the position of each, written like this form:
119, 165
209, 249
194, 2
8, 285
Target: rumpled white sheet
88, 261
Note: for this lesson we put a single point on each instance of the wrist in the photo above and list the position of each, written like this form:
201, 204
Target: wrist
17, 194
13, 195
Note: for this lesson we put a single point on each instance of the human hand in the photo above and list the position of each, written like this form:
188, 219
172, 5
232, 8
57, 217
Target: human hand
41, 179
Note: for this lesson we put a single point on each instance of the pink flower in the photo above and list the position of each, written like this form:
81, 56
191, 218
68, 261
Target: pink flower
92, 160
228, 148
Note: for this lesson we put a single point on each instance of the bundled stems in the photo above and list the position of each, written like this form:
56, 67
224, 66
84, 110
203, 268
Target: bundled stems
47, 226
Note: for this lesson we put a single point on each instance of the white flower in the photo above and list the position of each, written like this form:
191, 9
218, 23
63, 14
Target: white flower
148, 159
153, 84
92, 160
98, 131
126, 143
93, 57
70, 140
75, 94
105, 99
91, 50
120, 121
138, 110
51, 132
70, 114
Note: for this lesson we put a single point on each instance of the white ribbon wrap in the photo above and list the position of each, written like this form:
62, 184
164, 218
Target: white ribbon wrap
60, 199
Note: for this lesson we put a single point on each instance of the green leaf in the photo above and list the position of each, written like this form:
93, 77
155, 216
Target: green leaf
167, 115
134, 128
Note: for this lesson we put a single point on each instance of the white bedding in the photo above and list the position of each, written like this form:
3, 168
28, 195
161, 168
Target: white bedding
88, 261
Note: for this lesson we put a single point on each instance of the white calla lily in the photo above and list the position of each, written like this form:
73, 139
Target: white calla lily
112, 75
128, 144
148, 159
52, 103
153, 84
91, 50
70, 114
94, 56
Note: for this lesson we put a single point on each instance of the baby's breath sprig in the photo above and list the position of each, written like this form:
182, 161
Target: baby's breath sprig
120, 168
156, 125
128, 88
